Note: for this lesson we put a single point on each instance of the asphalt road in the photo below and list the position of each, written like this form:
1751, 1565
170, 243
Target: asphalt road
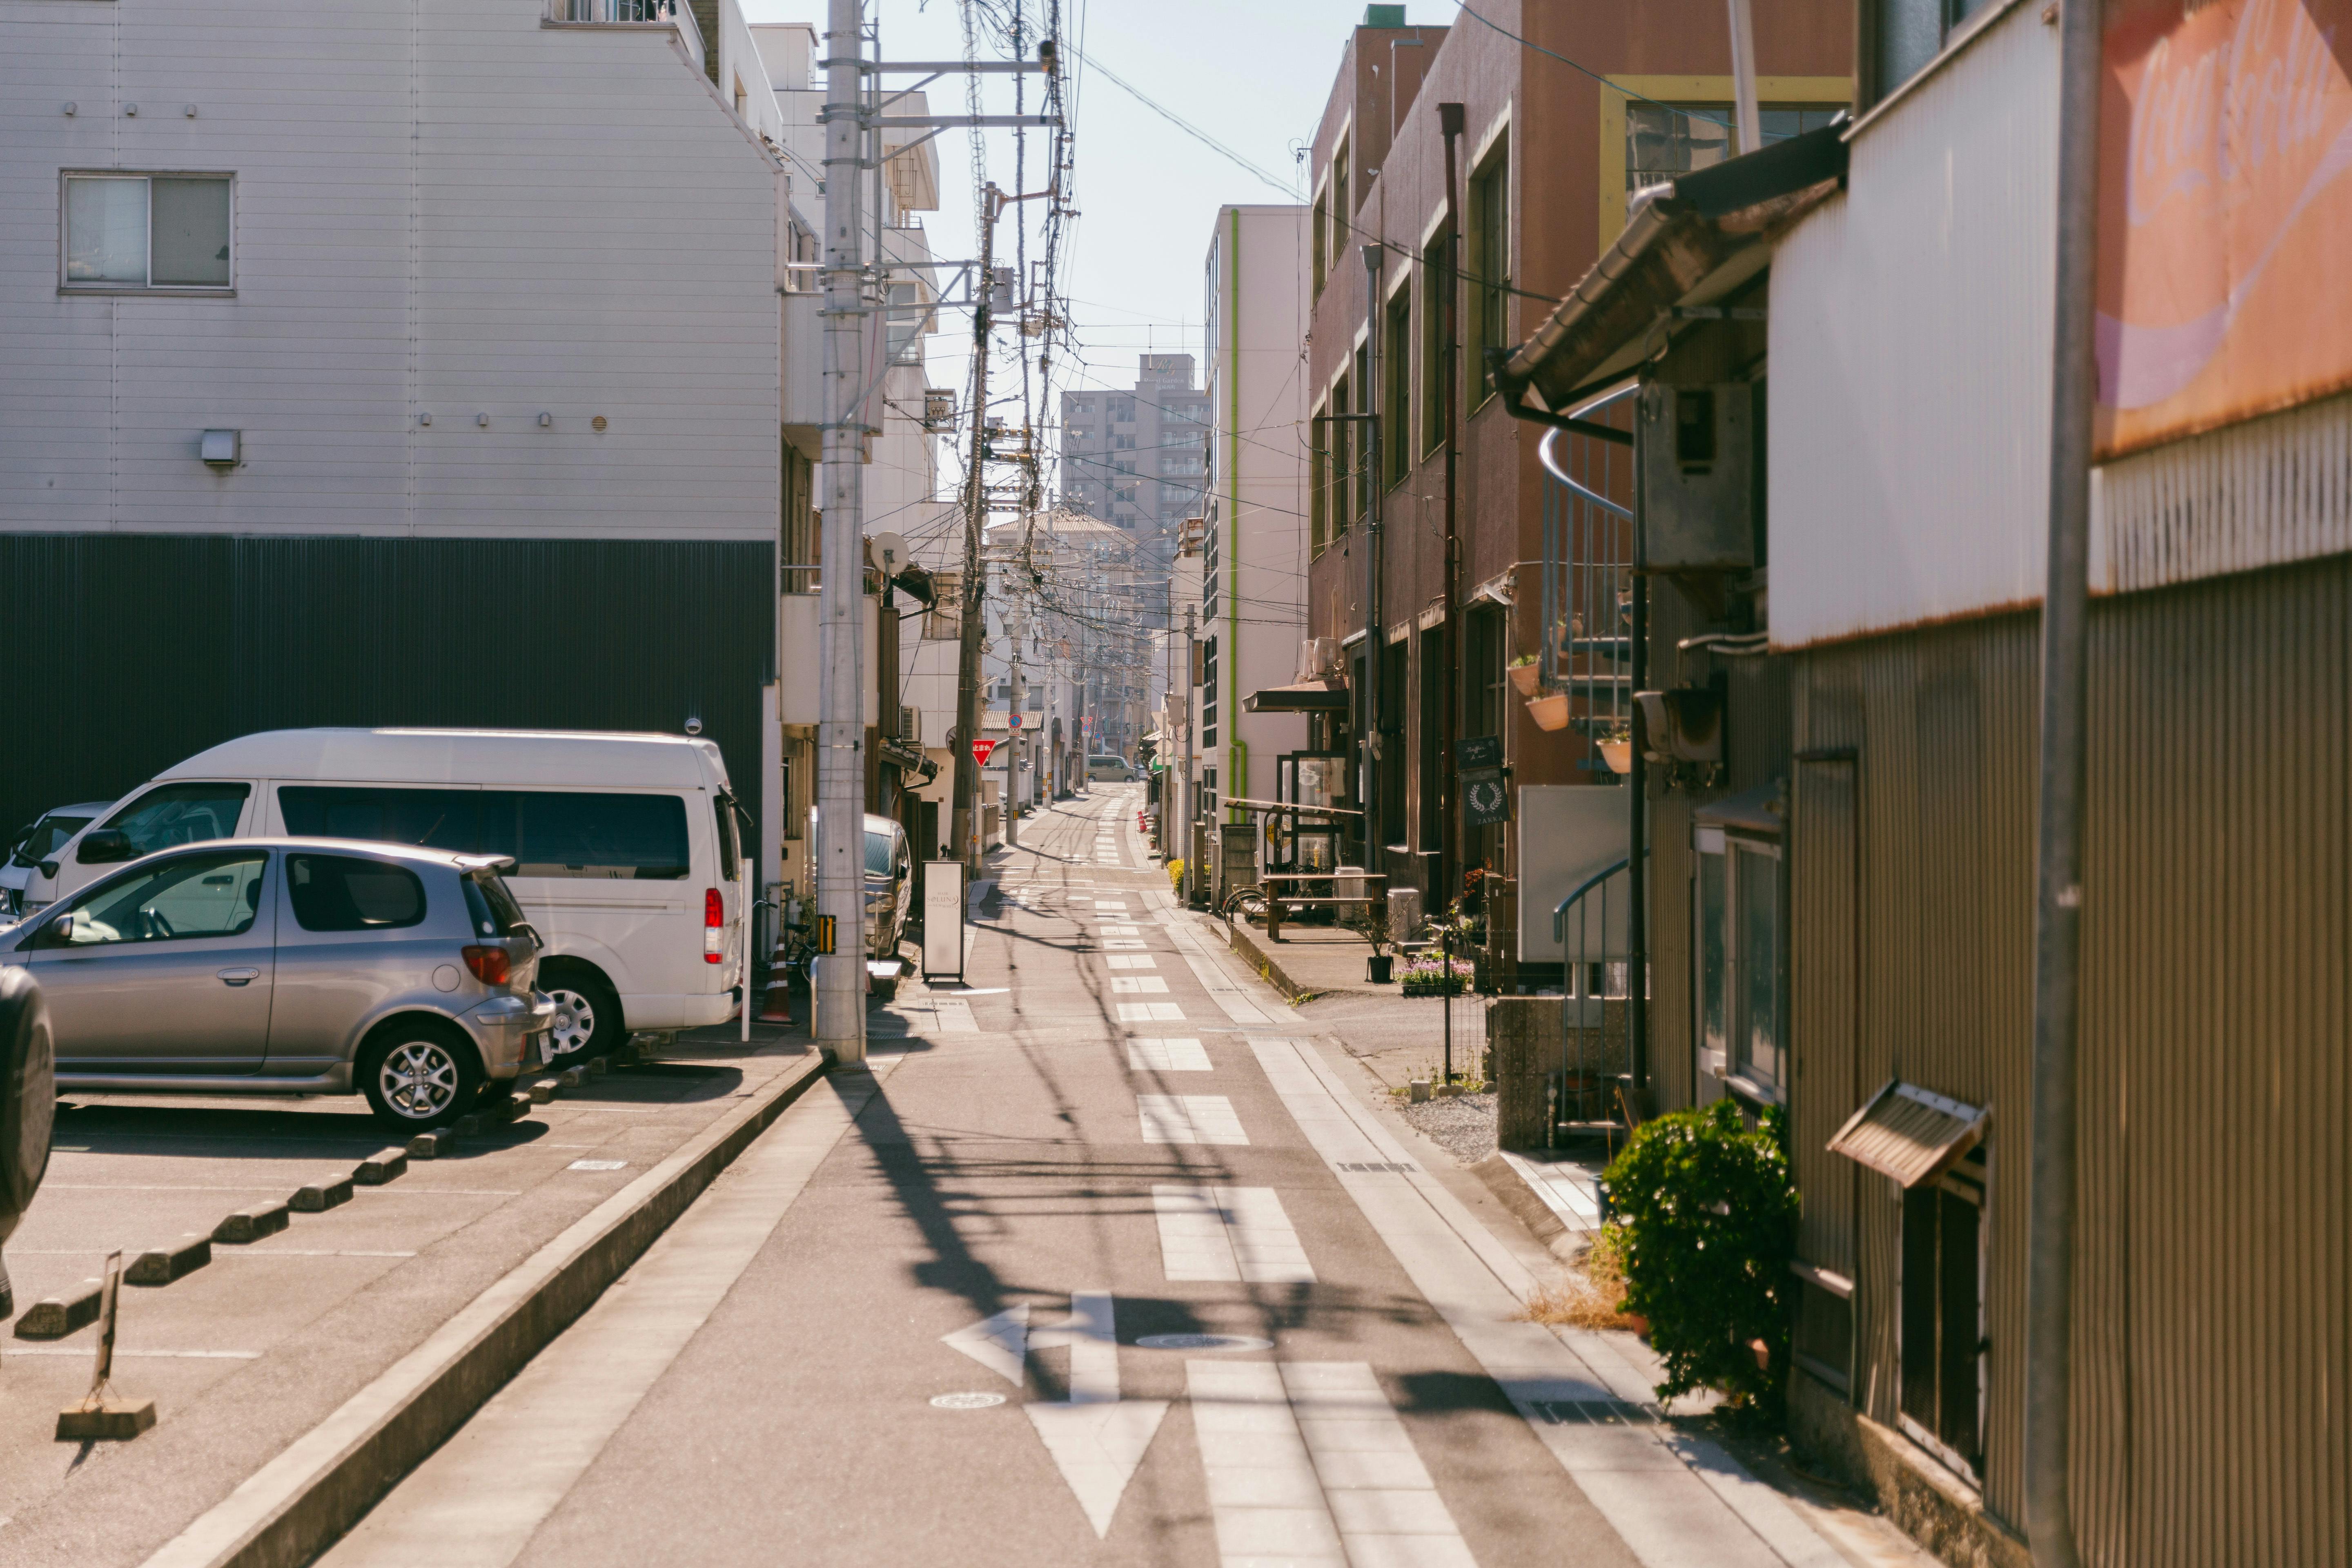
1104, 1261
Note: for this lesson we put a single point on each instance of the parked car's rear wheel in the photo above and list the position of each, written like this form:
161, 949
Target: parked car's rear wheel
418, 1077
587, 1013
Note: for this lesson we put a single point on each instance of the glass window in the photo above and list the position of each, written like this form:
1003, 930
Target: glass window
435, 818
490, 906
344, 892
1714, 955
1663, 140
193, 896
878, 852
141, 231
552, 833
1757, 891
180, 813
1490, 267
48, 835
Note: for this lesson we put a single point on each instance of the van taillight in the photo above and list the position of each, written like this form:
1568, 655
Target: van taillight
714, 919
490, 965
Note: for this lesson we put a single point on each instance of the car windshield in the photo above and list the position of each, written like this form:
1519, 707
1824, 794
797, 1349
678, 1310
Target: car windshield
48, 835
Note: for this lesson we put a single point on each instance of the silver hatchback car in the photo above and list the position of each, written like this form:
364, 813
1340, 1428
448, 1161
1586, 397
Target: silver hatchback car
294, 966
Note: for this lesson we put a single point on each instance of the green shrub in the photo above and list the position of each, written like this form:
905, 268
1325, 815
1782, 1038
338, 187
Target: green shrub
1710, 1218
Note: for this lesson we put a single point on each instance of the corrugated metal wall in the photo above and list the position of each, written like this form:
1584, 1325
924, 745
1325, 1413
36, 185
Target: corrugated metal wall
130, 652
2214, 1401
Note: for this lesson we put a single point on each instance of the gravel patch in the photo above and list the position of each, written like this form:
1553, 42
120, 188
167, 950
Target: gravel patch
1464, 1125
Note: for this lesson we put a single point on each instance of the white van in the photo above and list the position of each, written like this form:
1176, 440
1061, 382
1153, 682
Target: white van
625, 847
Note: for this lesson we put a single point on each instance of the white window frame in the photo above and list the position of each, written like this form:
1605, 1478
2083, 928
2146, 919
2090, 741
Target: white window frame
145, 177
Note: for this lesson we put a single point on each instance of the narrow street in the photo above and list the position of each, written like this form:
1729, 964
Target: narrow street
1097, 1264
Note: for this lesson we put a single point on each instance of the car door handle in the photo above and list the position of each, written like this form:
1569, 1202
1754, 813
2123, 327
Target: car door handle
240, 976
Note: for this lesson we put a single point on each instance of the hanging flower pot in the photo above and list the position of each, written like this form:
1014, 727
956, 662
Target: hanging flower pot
1527, 675
1617, 751
1549, 710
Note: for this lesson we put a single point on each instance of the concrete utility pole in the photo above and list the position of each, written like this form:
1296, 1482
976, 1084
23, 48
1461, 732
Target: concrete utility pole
965, 818
840, 1010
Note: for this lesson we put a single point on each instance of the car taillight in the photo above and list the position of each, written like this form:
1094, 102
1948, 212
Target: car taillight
490, 965
714, 920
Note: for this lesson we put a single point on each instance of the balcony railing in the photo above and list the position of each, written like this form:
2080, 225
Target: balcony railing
632, 12
1587, 582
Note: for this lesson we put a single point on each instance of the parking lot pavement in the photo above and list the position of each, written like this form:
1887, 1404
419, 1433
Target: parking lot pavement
243, 1354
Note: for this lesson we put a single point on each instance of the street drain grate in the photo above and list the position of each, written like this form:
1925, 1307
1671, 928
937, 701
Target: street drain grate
1597, 1412
966, 1401
1387, 1167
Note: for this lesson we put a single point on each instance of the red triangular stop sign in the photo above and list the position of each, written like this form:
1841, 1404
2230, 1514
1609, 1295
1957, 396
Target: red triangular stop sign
980, 751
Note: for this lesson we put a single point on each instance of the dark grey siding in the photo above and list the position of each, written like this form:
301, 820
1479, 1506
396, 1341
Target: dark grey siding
127, 653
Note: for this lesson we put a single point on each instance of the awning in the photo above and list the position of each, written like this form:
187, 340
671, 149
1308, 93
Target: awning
1759, 810
1691, 243
1306, 697
1910, 1134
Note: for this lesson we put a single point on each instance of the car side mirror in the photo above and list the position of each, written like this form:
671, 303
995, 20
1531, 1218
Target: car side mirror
57, 931
47, 869
105, 845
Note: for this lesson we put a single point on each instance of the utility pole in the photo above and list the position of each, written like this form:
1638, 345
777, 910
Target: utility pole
965, 817
840, 1001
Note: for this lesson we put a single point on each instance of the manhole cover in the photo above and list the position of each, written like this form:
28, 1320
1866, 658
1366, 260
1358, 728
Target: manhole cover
1204, 1343
966, 1401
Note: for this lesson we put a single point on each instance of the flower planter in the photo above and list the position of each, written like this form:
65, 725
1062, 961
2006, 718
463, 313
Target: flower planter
1549, 712
1618, 754
1377, 968
1525, 677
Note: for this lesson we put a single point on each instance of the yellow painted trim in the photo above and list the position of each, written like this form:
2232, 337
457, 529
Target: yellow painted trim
1804, 91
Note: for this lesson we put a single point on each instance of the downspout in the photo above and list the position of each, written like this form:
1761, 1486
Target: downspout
1375, 643
2058, 893
1451, 832
1236, 749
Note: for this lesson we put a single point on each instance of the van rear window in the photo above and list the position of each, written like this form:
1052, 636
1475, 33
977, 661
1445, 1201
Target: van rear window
550, 832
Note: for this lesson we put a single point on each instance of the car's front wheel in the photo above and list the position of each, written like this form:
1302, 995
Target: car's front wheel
417, 1078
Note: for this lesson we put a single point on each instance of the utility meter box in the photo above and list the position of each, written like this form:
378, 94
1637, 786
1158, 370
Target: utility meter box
1236, 858
1698, 465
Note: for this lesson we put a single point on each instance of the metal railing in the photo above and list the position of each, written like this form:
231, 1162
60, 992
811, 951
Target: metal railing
1589, 924
592, 11
1587, 582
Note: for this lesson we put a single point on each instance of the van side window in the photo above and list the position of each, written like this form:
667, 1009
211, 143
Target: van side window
180, 813
567, 833
435, 818
551, 833
343, 892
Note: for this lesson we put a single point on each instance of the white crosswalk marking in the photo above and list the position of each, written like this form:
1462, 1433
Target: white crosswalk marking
1377, 1491
1188, 1119
1263, 1495
1167, 1056
1150, 1013
1130, 962
1229, 1232
1138, 985
1115, 944
1121, 931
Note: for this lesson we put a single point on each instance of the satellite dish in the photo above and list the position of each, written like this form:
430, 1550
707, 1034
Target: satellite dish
890, 552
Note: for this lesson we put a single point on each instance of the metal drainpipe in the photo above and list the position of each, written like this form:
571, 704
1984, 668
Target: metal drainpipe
1451, 849
2058, 914
1375, 648
1637, 864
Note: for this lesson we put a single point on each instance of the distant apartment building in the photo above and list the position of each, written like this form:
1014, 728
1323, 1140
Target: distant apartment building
1253, 544
1134, 458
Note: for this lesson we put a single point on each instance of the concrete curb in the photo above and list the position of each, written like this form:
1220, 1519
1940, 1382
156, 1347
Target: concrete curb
299, 1503
1237, 940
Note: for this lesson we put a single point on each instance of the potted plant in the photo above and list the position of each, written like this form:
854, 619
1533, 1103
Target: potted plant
1617, 748
1525, 674
1380, 965
1548, 709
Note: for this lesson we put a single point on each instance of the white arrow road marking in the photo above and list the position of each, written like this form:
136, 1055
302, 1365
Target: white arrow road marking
1096, 1438
1000, 1343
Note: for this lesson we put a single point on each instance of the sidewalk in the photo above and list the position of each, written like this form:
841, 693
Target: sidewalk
261, 1344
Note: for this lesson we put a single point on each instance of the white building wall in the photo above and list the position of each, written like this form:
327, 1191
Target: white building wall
1258, 411
443, 208
1909, 448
